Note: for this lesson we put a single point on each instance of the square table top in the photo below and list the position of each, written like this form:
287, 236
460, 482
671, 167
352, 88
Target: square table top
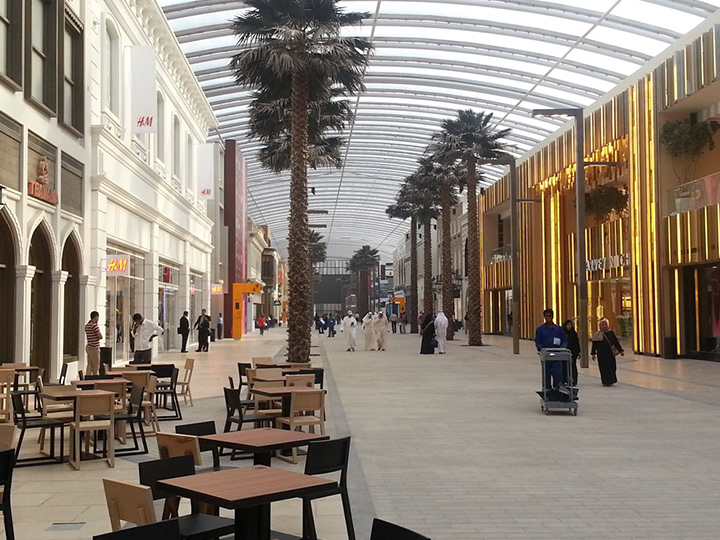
246, 487
277, 391
91, 383
68, 392
261, 439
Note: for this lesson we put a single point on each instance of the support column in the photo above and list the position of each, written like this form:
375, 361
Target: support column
24, 276
152, 283
57, 324
88, 303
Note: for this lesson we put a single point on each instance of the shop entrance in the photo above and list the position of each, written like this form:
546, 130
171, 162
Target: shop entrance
40, 291
611, 299
71, 317
702, 311
7, 291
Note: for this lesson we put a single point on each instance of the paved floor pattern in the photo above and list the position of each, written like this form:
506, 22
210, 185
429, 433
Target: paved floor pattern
456, 447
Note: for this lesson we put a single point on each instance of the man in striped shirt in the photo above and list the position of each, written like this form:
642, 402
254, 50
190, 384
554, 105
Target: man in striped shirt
93, 335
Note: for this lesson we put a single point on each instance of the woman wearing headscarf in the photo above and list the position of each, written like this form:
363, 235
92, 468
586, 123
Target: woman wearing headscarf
605, 347
427, 330
441, 326
573, 343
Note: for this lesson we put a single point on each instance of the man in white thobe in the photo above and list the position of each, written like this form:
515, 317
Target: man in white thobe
441, 326
347, 326
380, 323
369, 330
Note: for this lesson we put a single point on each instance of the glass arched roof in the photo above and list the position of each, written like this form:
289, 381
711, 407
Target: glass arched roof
431, 58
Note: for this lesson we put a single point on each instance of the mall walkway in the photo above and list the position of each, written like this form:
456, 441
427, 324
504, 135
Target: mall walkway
456, 447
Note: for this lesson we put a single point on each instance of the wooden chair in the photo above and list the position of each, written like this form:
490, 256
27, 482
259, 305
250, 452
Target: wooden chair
234, 412
199, 429
151, 472
169, 390
303, 409
7, 436
300, 380
328, 457
165, 530
137, 378
24, 422
132, 417
261, 360
266, 405
173, 445
87, 407
63, 412
133, 503
384, 530
148, 405
7, 380
7, 464
183, 385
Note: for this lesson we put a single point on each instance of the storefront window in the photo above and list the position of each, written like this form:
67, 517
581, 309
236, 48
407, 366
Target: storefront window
168, 278
123, 298
611, 299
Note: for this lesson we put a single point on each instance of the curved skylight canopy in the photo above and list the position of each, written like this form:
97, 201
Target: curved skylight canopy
431, 58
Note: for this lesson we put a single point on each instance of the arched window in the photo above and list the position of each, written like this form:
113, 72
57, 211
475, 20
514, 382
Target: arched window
160, 135
176, 148
189, 174
111, 69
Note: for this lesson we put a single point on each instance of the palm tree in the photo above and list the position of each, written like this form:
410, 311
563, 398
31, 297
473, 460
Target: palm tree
363, 260
426, 198
403, 209
468, 138
448, 178
297, 44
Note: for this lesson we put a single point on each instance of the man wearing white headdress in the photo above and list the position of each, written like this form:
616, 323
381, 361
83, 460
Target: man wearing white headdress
441, 326
369, 331
347, 326
380, 323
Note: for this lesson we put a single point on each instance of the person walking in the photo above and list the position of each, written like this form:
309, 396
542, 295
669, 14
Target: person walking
367, 323
331, 325
393, 322
203, 326
143, 332
403, 322
427, 331
348, 325
380, 325
441, 326
184, 330
261, 324
573, 343
605, 347
219, 326
551, 336
92, 349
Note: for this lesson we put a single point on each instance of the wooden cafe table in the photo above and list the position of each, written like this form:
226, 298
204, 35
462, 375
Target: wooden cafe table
261, 442
248, 491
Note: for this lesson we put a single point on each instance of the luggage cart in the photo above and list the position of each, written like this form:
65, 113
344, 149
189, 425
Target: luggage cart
564, 397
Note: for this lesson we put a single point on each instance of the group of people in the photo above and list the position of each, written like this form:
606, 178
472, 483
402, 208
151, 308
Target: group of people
328, 321
202, 325
376, 331
605, 347
433, 330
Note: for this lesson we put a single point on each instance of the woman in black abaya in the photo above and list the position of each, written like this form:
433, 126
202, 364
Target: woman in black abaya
427, 330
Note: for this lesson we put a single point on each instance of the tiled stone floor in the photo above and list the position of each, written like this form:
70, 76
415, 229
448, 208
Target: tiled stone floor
456, 447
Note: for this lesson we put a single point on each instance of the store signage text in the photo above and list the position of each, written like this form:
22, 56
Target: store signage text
118, 266
608, 263
217, 288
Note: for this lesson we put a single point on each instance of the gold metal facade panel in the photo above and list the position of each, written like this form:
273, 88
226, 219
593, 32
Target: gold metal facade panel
694, 237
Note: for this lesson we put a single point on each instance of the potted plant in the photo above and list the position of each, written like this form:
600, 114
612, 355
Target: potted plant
685, 140
601, 201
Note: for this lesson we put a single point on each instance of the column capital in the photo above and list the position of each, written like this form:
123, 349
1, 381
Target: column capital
88, 280
59, 276
25, 272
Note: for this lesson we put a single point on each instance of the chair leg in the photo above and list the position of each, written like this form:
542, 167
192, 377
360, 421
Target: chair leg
7, 519
348, 515
308, 520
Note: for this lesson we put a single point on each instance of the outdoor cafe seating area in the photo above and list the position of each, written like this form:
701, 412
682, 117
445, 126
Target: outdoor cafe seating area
273, 411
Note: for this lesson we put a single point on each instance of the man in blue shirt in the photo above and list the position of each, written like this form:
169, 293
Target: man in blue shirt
551, 336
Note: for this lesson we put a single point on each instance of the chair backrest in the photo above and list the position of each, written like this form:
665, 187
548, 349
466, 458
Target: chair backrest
324, 457
137, 378
7, 436
231, 383
81, 376
174, 378
242, 369
168, 529
151, 472
261, 360
199, 429
300, 380
173, 445
41, 373
63, 374
97, 378
119, 388
7, 464
232, 401
319, 374
264, 373
189, 367
384, 530
163, 371
152, 385
136, 398
307, 402
7, 379
92, 405
128, 502
18, 409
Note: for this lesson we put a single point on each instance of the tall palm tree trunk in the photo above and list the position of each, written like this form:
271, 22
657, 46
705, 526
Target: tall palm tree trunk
362, 292
428, 300
448, 296
413, 277
474, 321
298, 237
